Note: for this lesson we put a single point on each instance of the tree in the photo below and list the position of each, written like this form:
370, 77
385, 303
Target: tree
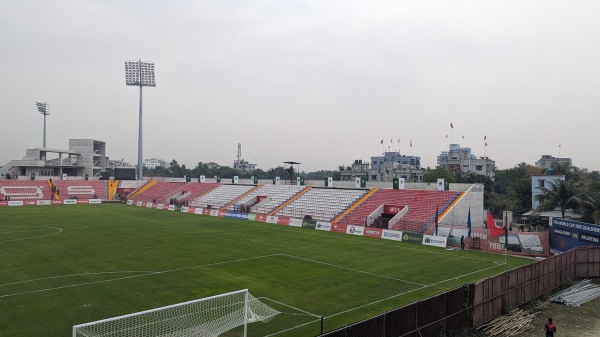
439, 172
560, 194
590, 207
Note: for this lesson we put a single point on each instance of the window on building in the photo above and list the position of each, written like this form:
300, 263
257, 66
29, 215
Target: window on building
373, 178
541, 183
478, 167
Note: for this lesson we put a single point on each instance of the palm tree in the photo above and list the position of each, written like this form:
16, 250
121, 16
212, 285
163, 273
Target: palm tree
559, 194
590, 207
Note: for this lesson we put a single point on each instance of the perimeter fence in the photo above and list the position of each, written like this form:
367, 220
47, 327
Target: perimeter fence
475, 304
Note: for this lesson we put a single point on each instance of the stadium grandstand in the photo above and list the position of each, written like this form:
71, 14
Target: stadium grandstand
400, 209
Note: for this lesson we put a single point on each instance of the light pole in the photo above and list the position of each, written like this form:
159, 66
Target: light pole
44, 109
140, 73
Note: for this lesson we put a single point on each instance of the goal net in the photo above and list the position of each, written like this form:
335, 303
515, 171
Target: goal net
204, 317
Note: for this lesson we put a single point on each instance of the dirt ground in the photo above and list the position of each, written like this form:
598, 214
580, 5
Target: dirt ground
583, 321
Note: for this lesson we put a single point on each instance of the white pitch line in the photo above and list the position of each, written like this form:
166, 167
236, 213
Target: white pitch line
73, 275
289, 306
136, 276
410, 291
34, 237
355, 270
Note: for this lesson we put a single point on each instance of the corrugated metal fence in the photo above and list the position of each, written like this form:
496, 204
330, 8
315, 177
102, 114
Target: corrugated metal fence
475, 304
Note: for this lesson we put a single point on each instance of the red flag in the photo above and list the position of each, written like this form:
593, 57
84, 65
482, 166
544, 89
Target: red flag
485, 143
451, 125
491, 225
382, 141
411, 143
485, 137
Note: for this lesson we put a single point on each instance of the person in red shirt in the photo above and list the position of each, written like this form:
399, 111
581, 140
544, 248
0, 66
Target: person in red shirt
550, 328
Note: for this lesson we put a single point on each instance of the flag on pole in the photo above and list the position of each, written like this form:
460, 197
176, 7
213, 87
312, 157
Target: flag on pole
451, 125
391, 140
469, 223
463, 137
436, 220
485, 143
411, 143
485, 137
381, 141
446, 136
398, 140
495, 230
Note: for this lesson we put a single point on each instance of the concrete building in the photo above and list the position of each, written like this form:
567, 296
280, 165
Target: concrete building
539, 182
153, 163
394, 165
460, 159
358, 169
243, 165
547, 161
84, 156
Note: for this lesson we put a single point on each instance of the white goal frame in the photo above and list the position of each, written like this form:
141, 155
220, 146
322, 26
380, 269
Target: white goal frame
260, 308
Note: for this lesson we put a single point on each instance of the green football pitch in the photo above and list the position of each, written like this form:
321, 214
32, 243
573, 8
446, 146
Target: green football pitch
67, 265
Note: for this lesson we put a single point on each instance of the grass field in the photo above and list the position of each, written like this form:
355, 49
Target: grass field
66, 265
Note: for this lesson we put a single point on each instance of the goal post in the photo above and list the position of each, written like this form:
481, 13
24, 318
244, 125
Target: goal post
210, 316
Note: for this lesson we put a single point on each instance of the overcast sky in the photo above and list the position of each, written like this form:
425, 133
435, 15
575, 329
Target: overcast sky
319, 82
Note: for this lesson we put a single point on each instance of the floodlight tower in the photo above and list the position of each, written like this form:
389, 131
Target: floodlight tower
140, 73
44, 109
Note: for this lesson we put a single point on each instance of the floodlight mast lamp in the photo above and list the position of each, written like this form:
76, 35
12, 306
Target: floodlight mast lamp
140, 73
44, 109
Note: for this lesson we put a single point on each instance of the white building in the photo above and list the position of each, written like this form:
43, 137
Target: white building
539, 182
154, 163
460, 159
547, 161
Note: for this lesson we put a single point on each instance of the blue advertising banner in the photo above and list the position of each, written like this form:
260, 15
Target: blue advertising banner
236, 215
568, 234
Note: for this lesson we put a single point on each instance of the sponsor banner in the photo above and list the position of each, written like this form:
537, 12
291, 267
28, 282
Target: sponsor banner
271, 219
283, 220
214, 212
184, 209
251, 216
392, 209
340, 228
70, 202
159, 206
191, 210
129, 202
323, 226
355, 230
95, 201
143, 204
198, 210
206, 211
15, 203
372, 232
568, 234
3, 203
29, 203
149, 205
261, 218
412, 237
139, 203
295, 222
590, 238
222, 213
57, 202
436, 241
236, 215
81, 202
43, 202
171, 207
309, 224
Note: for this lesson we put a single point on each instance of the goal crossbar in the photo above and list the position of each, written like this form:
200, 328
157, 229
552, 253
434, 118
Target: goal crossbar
208, 316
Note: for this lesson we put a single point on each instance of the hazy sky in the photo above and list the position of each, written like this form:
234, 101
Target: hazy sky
319, 82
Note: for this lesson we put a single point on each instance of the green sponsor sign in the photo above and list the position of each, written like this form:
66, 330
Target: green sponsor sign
363, 182
412, 237
309, 224
396, 183
251, 216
